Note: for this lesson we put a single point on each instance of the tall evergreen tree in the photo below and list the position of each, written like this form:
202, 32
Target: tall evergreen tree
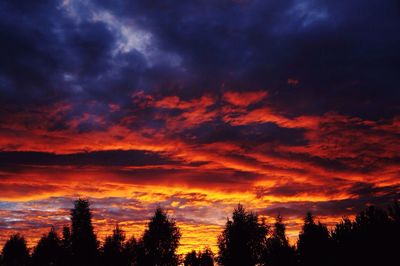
15, 251
191, 259
206, 257
48, 251
83, 239
201, 258
373, 225
66, 238
369, 240
66, 247
160, 241
243, 239
345, 243
130, 251
113, 249
278, 251
314, 243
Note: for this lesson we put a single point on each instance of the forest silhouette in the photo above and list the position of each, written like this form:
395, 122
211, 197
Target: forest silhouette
372, 238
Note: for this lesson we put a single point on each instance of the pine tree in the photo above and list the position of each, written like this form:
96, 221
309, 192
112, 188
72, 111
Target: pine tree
48, 251
130, 251
83, 239
113, 249
15, 251
160, 241
206, 257
314, 243
191, 259
243, 239
278, 251
201, 258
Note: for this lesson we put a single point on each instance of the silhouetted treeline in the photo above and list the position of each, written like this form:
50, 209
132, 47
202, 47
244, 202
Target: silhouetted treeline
372, 238
201, 258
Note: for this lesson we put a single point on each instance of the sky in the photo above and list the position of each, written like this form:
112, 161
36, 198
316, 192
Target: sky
196, 106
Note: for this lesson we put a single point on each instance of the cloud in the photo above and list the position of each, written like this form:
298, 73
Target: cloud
109, 157
244, 99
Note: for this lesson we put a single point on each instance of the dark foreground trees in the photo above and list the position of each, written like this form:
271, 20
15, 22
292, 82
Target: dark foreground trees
243, 240
201, 258
118, 251
48, 251
112, 252
84, 243
314, 244
15, 252
79, 246
372, 238
278, 251
160, 242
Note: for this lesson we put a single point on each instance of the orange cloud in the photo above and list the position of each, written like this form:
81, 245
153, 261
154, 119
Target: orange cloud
293, 82
174, 102
244, 99
266, 115
336, 164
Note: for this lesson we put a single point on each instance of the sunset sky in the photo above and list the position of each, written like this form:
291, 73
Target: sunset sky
195, 106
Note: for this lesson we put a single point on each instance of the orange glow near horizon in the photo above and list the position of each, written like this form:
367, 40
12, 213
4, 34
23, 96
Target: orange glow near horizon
128, 172
195, 235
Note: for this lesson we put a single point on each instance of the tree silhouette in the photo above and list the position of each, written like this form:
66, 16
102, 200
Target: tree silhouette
66, 246
191, 259
243, 239
160, 241
202, 258
113, 249
206, 257
130, 251
344, 241
314, 243
278, 251
373, 231
48, 251
83, 240
15, 251
369, 240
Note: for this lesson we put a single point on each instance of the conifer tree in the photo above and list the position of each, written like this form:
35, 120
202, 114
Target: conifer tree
84, 243
243, 239
48, 251
314, 243
15, 251
278, 251
113, 249
160, 241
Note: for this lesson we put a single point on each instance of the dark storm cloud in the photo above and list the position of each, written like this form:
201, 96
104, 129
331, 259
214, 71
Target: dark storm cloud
345, 207
292, 189
343, 50
247, 136
117, 157
53, 50
338, 52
